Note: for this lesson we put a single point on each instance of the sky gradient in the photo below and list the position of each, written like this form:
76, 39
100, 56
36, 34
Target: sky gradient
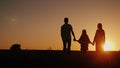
35, 24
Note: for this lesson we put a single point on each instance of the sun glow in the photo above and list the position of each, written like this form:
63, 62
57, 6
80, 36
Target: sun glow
107, 46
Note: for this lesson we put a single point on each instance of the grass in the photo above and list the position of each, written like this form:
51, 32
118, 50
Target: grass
58, 59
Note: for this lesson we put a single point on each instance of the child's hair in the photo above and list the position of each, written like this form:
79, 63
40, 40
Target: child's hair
84, 31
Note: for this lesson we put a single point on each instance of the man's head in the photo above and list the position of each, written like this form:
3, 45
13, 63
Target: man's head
66, 20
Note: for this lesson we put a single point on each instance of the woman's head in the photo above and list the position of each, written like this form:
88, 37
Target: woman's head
99, 26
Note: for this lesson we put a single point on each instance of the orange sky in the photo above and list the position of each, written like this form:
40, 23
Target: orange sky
35, 24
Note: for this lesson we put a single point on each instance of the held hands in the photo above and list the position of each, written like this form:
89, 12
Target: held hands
74, 39
77, 40
92, 43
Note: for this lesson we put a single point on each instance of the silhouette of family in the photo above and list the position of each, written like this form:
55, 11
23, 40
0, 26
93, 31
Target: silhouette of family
67, 31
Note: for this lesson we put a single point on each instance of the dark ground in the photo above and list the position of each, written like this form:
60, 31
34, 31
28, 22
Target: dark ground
58, 59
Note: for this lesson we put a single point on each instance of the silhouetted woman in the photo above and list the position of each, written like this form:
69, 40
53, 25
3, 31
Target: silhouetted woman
99, 38
84, 41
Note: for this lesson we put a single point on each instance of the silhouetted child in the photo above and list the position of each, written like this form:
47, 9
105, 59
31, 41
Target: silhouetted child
84, 41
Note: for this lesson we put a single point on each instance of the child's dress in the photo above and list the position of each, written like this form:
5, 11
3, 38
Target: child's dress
84, 41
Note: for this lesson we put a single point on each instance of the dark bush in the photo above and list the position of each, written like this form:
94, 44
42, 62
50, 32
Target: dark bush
15, 47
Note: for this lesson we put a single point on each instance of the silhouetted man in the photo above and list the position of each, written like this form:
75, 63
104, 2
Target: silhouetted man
99, 38
66, 31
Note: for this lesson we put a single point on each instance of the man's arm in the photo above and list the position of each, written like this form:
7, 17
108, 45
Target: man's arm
73, 34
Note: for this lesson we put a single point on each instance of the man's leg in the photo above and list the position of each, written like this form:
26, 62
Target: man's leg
64, 46
69, 46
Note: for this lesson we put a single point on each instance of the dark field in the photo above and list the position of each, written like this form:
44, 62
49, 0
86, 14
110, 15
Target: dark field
58, 59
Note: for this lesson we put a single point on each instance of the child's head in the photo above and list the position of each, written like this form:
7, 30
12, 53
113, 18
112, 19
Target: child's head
84, 31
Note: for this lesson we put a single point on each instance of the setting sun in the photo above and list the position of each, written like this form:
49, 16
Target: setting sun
107, 47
